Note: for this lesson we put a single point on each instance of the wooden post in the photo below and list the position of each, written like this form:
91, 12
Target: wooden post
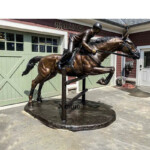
83, 88
63, 95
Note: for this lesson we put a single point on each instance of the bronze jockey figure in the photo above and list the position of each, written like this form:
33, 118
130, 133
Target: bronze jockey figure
79, 40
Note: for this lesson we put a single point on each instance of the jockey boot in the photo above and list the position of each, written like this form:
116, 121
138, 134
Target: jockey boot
64, 61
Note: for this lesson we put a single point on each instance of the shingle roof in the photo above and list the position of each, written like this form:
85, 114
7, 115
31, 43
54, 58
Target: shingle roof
126, 22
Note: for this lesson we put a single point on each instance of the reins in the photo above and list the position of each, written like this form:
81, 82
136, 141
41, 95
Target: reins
107, 52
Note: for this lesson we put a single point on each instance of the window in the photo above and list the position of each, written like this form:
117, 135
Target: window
55, 49
2, 45
11, 41
42, 40
10, 37
146, 59
2, 41
49, 41
19, 42
10, 47
19, 38
42, 48
34, 48
2, 35
54, 42
34, 39
49, 49
44, 44
19, 47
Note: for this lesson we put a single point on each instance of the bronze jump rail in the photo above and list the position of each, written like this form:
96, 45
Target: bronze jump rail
76, 97
76, 79
64, 97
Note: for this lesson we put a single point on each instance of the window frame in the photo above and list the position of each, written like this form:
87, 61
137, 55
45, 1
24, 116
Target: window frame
15, 42
46, 44
145, 59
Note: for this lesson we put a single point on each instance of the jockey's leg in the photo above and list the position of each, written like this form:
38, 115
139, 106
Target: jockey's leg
66, 57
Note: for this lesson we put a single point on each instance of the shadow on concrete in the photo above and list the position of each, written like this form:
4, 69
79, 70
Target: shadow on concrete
136, 92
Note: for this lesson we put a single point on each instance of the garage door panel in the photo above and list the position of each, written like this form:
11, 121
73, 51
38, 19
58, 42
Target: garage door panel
52, 86
6, 64
15, 88
1, 78
9, 92
8, 87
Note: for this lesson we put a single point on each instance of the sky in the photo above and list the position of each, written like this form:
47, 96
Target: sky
67, 9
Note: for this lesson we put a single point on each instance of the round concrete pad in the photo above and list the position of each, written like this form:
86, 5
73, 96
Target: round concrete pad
93, 115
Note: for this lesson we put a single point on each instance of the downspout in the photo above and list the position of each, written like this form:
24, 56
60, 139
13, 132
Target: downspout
123, 58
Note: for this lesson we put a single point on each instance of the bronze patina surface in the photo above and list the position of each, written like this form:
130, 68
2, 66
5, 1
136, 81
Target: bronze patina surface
84, 63
93, 115
88, 115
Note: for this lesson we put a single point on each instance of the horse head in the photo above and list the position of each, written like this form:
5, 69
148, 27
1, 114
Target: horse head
128, 47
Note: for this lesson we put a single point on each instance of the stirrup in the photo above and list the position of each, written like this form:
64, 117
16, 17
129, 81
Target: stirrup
59, 65
69, 65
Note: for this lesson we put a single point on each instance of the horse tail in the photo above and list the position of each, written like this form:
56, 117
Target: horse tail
31, 64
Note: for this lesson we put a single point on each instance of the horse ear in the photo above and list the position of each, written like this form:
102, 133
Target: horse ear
125, 34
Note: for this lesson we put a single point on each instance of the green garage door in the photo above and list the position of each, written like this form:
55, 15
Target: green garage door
91, 80
16, 49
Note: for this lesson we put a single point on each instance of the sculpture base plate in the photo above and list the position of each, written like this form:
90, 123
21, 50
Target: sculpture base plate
91, 116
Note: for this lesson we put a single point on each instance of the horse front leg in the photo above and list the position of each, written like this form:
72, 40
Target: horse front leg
103, 70
36, 81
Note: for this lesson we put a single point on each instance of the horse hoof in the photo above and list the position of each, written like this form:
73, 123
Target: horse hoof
39, 100
101, 81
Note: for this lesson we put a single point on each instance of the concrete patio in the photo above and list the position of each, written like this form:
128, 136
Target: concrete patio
130, 131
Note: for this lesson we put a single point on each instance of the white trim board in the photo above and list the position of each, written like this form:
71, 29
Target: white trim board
138, 64
113, 61
139, 28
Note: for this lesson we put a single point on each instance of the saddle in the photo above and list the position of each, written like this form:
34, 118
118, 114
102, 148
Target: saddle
81, 51
75, 51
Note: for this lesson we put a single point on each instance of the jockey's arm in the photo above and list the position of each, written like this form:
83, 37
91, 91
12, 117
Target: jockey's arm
85, 45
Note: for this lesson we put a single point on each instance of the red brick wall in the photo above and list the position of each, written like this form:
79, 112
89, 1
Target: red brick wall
118, 69
139, 39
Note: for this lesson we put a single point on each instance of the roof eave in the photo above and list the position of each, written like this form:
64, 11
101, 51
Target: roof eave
143, 23
111, 22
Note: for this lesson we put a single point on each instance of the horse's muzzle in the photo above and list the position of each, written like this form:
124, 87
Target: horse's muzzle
136, 55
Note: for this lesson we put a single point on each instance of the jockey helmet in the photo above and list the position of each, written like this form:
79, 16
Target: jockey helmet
97, 25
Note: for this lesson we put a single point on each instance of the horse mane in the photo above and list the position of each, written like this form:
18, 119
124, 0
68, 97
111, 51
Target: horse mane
101, 40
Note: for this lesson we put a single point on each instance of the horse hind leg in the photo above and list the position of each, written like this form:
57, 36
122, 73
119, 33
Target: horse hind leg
39, 99
36, 81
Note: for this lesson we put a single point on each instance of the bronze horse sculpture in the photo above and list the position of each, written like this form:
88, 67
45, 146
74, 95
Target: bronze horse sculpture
84, 63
